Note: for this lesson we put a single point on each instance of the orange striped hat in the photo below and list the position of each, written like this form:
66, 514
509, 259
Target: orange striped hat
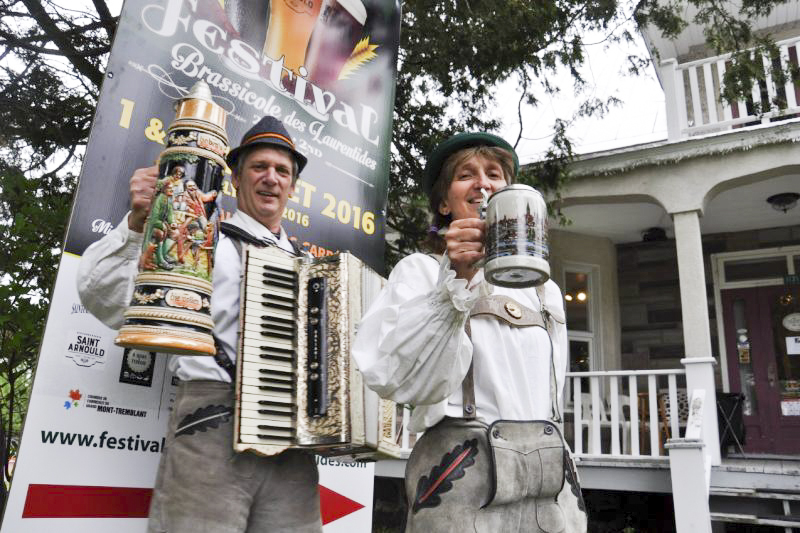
268, 131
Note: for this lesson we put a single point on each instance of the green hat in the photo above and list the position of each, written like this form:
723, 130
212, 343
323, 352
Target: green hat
456, 143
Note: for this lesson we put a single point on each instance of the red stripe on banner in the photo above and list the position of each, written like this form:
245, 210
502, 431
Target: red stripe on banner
75, 501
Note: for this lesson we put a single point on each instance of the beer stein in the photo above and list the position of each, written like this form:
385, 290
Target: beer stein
171, 306
517, 250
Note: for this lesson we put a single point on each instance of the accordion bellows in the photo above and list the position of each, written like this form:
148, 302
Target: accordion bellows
297, 386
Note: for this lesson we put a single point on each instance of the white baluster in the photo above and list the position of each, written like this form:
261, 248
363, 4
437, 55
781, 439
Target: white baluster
653, 405
633, 392
614, 392
711, 97
694, 87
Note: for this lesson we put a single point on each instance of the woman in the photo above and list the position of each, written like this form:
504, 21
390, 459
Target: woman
418, 345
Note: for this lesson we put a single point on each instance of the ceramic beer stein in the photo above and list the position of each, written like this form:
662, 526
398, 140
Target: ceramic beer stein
517, 250
171, 306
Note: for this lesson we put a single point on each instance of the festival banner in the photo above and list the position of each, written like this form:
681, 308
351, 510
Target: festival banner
97, 417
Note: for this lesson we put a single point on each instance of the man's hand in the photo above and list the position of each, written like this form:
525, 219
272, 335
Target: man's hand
143, 189
464, 240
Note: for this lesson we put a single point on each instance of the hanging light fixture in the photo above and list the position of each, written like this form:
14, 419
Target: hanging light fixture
783, 201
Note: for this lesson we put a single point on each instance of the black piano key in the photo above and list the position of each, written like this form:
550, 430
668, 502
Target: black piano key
277, 321
269, 332
278, 384
273, 388
270, 352
272, 437
278, 374
278, 332
290, 408
278, 305
279, 282
280, 272
279, 298
276, 437
273, 412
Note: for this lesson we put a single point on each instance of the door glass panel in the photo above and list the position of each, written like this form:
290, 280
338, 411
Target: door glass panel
786, 367
760, 268
797, 264
746, 376
580, 360
576, 287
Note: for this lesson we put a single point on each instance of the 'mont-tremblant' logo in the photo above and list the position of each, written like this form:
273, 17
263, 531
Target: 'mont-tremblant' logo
74, 399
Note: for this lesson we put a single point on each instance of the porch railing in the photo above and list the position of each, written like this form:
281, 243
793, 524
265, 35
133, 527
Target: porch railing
623, 413
693, 93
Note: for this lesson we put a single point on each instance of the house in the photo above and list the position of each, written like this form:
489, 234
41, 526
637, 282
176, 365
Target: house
681, 274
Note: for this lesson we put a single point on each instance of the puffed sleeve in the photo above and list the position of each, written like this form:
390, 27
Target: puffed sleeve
411, 346
107, 272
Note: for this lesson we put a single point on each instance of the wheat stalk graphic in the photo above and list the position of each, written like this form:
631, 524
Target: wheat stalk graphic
362, 53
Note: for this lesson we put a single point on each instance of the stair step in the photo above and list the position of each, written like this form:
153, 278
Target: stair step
781, 521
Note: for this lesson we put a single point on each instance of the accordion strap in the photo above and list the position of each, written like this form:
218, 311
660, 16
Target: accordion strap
240, 237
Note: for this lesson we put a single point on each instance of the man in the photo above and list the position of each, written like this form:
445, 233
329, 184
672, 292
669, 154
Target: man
202, 485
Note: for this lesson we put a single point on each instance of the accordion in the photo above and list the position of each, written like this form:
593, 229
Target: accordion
296, 384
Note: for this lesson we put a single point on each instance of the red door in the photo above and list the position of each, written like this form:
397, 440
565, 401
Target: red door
762, 339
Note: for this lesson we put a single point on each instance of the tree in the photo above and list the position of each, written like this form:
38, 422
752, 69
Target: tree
453, 55
51, 61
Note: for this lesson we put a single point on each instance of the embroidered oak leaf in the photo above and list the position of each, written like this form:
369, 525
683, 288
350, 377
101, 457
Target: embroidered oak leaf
571, 477
362, 53
440, 480
75, 395
206, 417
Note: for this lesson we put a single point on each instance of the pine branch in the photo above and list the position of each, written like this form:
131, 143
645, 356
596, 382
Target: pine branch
62, 42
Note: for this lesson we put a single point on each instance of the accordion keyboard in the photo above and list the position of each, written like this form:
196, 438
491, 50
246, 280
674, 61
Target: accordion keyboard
267, 396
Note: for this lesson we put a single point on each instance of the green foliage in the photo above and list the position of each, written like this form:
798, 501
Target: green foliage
727, 27
32, 224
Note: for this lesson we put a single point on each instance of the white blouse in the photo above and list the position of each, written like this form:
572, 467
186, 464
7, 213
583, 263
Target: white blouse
412, 348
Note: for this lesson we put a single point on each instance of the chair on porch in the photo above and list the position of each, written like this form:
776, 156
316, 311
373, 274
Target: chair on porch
605, 427
664, 423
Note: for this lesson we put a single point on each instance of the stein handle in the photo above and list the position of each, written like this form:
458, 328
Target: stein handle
482, 212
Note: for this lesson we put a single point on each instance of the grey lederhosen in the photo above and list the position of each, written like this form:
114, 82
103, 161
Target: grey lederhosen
204, 487
453, 482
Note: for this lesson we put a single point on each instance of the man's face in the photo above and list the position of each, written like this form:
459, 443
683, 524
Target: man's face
264, 186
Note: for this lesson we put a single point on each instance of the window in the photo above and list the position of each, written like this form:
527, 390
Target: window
580, 302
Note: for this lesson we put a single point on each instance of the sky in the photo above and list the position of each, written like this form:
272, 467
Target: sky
639, 119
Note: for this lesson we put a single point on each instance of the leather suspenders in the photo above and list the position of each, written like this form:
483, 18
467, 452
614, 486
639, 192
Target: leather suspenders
514, 314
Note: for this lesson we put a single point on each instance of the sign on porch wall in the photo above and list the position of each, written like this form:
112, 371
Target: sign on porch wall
95, 425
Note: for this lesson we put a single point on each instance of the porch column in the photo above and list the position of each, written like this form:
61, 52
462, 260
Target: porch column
696, 330
673, 94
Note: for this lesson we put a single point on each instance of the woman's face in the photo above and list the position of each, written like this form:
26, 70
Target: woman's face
464, 198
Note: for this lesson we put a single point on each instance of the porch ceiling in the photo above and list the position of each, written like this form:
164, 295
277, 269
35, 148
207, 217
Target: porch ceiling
783, 14
737, 209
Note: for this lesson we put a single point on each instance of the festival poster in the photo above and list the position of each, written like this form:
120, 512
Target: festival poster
97, 416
